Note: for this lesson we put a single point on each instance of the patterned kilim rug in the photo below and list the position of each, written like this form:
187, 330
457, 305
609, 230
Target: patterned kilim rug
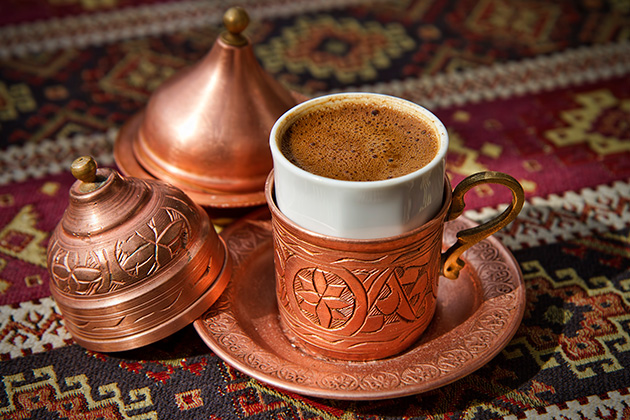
537, 89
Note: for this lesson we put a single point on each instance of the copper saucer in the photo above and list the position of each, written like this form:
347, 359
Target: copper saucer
476, 317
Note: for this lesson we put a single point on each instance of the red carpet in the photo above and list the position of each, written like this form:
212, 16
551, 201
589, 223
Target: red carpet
539, 90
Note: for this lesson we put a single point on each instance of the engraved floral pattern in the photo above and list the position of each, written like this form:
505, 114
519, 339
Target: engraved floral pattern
242, 242
324, 297
79, 273
380, 380
154, 245
146, 251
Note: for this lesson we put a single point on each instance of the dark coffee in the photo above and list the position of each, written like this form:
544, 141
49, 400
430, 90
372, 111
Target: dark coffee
359, 141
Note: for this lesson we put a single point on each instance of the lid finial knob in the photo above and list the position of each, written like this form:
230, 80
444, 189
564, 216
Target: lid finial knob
84, 169
235, 21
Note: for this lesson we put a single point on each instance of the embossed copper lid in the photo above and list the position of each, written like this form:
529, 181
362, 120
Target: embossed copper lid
206, 129
132, 261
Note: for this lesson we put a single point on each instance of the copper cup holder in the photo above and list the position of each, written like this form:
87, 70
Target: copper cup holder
366, 299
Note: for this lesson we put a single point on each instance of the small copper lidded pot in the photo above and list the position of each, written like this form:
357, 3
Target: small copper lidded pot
132, 261
367, 298
205, 129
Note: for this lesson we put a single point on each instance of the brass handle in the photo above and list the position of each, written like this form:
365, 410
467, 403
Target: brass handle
451, 263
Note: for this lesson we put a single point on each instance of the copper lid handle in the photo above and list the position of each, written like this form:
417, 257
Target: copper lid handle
84, 169
235, 21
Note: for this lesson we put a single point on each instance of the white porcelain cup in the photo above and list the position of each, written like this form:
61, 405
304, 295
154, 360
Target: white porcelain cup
358, 209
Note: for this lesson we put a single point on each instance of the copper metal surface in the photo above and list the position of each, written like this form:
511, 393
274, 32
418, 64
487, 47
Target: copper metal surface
365, 299
131, 260
475, 317
206, 129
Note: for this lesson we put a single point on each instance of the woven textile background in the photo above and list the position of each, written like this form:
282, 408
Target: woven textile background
537, 89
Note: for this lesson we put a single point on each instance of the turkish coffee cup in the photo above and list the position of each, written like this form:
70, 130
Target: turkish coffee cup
358, 261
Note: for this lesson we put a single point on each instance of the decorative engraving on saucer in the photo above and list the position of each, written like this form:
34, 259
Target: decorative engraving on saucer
380, 380
244, 242
339, 381
243, 326
131, 260
419, 374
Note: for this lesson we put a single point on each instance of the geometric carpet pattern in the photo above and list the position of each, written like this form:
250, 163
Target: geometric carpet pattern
539, 90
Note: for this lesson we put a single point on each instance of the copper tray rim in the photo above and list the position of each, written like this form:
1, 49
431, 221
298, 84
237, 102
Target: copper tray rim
223, 307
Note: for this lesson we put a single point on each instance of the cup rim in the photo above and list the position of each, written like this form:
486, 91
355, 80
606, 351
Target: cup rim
292, 114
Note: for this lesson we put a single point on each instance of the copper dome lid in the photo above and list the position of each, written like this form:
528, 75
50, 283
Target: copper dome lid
206, 129
132, 261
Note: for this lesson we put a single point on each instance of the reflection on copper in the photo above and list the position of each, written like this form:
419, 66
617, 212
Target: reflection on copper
206, 129
131, 260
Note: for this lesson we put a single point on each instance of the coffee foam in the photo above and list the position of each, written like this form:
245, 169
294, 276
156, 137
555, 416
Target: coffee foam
360, 141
